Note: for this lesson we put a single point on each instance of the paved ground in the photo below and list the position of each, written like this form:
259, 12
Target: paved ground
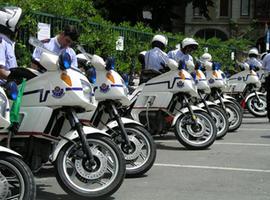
237, 167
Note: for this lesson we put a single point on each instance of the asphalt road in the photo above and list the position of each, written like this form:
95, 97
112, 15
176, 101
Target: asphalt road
236, 167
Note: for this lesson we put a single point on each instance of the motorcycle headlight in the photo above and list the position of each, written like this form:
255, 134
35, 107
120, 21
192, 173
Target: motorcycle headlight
87, 89
3, 105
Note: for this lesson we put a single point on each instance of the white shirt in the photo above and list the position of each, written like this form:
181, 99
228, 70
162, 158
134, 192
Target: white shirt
155, 59
254, 61
266, 63
7, 54
178, 55
53, 45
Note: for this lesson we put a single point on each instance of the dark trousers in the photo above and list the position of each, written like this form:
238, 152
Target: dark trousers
267, 87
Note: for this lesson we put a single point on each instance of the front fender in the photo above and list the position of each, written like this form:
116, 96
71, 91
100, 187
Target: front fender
224, 100
209, 103
9, 151
253, 94
114, 123
183, 111
73, 135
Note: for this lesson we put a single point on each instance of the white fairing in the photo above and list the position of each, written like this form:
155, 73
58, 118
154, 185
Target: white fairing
158, 92
98, 62
48, 89
110, 85
172, 64
215, 79
72, 135
239, 81
49, 61
4, 118
201, 82
9, 151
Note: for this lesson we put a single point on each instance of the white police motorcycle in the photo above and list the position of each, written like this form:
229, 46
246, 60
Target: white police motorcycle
244, 87
217, 84
16, 179
162, 104
218, 114
87, 163
110, 91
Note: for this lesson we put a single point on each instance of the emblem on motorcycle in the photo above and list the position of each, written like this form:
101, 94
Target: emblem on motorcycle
58, 92
180, 84
104, 88
211, 81
239, 78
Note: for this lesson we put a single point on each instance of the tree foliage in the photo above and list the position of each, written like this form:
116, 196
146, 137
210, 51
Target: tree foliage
162, 11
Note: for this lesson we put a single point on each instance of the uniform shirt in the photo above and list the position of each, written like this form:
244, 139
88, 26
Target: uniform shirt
254, 61
266, 63
7, 54
54, 46
155, 59
178, 55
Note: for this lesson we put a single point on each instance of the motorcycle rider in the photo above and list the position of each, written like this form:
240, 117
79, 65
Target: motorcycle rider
266, 67
9, 18
253, 60
58, 44
188, 45
155, 60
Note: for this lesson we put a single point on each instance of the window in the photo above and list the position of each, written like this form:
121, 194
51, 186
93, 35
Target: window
209, 33
245, 7
224, 8
262, 9
196, 12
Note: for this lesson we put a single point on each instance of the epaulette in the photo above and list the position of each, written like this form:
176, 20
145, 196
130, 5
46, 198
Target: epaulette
46, 40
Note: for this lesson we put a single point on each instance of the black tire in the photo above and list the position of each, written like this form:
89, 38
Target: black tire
239, 117
186, 138
113, 186
253, 110
216, 110
22, 172
237, 104
148, 163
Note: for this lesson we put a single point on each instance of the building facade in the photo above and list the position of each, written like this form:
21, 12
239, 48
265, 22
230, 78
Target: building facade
229, 18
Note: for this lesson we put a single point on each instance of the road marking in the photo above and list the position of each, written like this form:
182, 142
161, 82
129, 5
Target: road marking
212, 167
222, 143
254, 129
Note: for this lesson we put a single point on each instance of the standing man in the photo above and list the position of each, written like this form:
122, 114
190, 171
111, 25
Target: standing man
266, 67
58, 44
9, 18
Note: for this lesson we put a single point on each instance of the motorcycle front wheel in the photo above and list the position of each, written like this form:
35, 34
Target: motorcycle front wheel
220, 118
141, 157
16, 179
196, 136
257, 107
101, 180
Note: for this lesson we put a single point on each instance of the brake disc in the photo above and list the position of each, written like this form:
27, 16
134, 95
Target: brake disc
137, 145
98, 170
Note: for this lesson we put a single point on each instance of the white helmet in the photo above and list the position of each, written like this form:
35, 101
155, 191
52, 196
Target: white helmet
9, 17
253, 51
160, 38
206, 57
189, 41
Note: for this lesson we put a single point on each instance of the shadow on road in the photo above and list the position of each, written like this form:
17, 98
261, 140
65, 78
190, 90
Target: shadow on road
265, 136
42, 194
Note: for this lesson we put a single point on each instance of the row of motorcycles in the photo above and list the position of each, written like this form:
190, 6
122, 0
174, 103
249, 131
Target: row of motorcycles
95, 131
